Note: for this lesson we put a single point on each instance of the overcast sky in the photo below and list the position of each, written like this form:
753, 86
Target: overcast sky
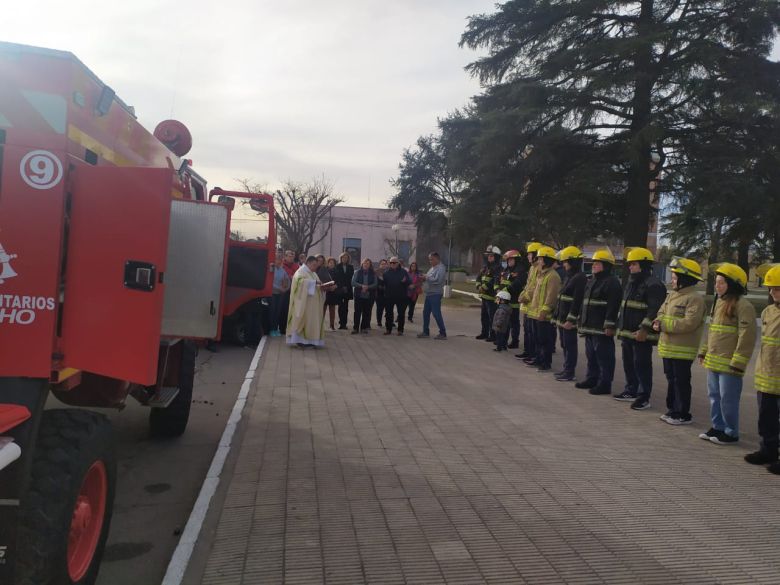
277, 89
274, 89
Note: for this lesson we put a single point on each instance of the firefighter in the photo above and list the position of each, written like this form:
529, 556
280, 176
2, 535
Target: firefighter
513, 280
726, 350
680, 322
767, 375
487, 283
642, 297
568, 310
598, 322
529, 347
540, 308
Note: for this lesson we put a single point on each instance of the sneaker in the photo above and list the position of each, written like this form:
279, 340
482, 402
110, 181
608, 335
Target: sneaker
666, 416
625, 397
421, 335
723, 439
565, 378
585, 385
774, 468
596, 391
640, 404
679, 420
709, 434
760, 458
441, 336
481, 336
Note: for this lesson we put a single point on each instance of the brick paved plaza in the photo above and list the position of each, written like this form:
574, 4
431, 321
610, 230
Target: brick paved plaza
400, 460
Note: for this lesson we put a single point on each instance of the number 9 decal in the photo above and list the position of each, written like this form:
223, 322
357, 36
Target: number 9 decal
41, 169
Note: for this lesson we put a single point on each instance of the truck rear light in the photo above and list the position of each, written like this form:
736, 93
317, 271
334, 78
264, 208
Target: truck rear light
9, 452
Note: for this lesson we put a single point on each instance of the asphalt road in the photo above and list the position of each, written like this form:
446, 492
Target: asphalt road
159, 480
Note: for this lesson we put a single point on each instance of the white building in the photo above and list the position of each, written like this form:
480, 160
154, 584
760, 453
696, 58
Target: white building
367, 232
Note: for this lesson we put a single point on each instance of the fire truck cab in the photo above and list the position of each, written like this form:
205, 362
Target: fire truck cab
113, 263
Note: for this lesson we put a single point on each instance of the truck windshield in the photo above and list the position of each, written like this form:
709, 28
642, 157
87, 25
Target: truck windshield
249, 221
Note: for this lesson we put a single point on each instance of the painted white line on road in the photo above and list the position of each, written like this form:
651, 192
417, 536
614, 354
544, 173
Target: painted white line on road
183, 553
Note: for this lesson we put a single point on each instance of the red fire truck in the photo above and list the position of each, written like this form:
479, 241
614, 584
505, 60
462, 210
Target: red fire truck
113, 263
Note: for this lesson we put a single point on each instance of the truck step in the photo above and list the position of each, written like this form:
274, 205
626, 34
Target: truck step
163, 397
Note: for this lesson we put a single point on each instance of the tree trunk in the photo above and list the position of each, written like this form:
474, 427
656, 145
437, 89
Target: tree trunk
776, 245
743, 254
712, 258
638, 196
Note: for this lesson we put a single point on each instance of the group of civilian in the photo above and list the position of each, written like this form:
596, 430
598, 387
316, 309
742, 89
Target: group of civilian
387, 292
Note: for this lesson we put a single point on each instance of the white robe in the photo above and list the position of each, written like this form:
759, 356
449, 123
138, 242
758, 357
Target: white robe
305, 323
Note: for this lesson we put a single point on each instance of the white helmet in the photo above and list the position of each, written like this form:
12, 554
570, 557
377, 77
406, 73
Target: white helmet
504, 295
491, 249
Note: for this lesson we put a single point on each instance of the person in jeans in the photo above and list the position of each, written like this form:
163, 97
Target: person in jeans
364, 281
415, 288
680, 322
291, 267
433, 286
726, 350
767, 376
396, 286
344, 274
280, 289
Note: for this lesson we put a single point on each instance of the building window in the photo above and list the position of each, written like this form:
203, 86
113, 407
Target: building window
352, 246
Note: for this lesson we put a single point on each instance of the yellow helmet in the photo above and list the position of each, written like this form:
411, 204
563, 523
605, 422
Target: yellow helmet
770, 273
686, 266
570, 253
533, 247
603, 255
638, 254
731, 271
545, 252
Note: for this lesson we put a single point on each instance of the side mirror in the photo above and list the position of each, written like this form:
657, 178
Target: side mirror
258, 205
229, 202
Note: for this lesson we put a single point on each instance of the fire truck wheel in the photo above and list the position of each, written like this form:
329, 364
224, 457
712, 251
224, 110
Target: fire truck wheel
172, 420
66, 514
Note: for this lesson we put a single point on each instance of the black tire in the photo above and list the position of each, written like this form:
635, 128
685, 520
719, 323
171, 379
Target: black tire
172, 420
69, 443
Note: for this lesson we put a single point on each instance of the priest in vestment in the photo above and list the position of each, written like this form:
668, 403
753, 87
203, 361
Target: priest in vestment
305, 323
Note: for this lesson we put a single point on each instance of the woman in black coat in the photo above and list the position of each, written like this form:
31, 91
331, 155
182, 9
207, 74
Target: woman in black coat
344, 274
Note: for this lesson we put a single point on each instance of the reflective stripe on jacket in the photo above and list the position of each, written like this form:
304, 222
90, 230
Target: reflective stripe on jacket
530, 285
728, 341
682, 322
767, 374
600, 304
548, 285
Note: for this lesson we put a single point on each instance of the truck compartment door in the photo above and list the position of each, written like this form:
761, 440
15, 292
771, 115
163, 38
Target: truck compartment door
196, 269
115, 271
